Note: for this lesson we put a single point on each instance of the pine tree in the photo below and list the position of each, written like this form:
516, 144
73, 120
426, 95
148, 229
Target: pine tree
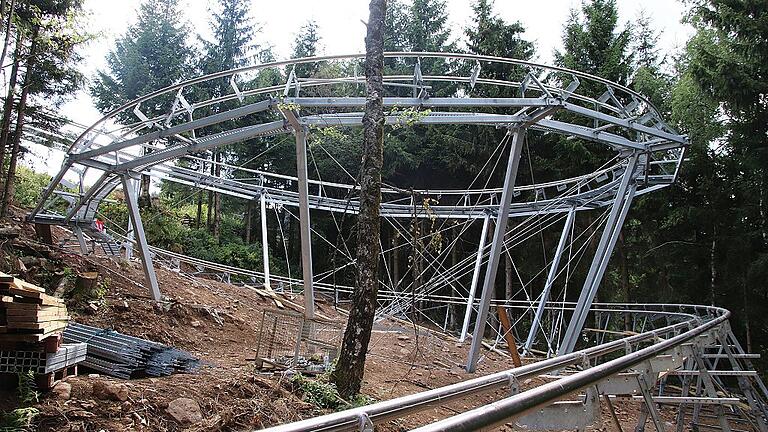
595, 44
47, 35
152, 54
307, 44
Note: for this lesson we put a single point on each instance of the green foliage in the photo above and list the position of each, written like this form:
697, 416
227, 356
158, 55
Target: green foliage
28, 394
152, 54
29, 185
19, 419
318, 392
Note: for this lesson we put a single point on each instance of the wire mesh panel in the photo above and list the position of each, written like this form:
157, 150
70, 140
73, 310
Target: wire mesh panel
289, 340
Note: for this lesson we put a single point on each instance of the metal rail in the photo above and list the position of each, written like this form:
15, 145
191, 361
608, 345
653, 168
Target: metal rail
517, 405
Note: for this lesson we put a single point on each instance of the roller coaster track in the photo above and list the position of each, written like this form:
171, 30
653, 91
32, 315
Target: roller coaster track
718, 386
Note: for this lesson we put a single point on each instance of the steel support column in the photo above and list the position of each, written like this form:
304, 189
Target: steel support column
497, 244
300, 131
141, 239
475, 278
621, 204
81, 240
264, 246
550, 280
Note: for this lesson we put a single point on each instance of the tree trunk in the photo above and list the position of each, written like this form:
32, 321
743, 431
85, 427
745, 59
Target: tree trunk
20, 114
9, 21
348, 374
8, 106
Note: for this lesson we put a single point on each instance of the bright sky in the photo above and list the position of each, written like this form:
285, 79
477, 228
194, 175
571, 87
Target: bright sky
342, 31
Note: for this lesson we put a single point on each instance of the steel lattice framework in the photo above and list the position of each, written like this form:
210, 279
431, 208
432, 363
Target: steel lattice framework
648, 153
666, 340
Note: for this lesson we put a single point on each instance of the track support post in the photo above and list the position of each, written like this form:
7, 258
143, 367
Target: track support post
300, 131
497, 246
619, 210
141, 239
475, 278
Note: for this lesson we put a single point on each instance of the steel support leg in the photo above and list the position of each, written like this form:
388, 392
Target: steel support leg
621, 204
51, 187
141, 239
264, 244
300, 131
81, 240
475, 278
497, 246
550, 281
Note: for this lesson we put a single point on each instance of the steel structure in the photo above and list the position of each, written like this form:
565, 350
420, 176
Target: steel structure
134, 140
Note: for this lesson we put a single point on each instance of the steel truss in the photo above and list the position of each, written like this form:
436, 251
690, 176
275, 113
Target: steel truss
171, 146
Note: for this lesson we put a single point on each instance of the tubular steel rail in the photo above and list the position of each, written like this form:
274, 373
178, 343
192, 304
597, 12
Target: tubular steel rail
700, 327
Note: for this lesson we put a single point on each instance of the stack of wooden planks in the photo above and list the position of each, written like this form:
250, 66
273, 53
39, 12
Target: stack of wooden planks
27, 313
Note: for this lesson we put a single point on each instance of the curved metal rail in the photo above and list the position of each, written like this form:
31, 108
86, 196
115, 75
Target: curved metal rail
616, 368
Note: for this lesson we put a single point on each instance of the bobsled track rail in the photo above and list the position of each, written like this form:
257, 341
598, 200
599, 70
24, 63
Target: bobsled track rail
679, 356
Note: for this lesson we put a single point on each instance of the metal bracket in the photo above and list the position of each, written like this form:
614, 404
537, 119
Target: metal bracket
235, 88
475, 75
365, 424
514, 384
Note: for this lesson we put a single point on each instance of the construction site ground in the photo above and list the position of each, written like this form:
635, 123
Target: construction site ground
219, 323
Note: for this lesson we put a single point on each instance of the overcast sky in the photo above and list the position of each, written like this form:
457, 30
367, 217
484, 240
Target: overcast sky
342, 31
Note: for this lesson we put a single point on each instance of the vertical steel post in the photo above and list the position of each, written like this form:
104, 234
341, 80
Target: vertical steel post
621, 204
304, 227
141, 239
497, 245
264, 245
550, 280
475, 278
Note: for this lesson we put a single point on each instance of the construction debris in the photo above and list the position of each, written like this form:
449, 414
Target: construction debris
124, 356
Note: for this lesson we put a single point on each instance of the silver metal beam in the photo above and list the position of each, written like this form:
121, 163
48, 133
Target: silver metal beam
222, 139
300, 131
475, 278
550, 280
621, 205
138, 229
433, 102
175, 130
264, 244
497, 245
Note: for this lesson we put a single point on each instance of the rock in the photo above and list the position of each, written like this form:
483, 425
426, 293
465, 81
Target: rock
195, 324
93, 375
62, 390
93, 307
122, 306
185, 411
106, 390
405, 351
403, 338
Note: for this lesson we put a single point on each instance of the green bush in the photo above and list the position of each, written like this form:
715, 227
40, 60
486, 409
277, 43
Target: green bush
28, 187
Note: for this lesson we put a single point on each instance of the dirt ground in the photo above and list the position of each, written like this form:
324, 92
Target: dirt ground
219, 323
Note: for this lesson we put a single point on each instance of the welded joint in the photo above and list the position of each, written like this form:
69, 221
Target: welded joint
364, 423
627, 347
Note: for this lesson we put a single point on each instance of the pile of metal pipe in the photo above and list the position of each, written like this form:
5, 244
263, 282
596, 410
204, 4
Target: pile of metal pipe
123, 356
